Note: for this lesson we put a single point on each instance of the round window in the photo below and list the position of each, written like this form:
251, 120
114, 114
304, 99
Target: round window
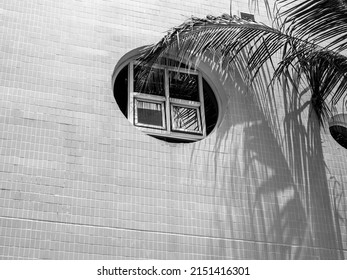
168, 101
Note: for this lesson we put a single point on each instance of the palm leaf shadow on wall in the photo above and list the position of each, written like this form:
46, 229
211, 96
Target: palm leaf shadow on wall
296, 151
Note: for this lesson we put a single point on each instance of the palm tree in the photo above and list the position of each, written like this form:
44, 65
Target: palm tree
300, 44
249, 46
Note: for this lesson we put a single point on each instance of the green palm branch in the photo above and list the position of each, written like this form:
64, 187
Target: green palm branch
249, 46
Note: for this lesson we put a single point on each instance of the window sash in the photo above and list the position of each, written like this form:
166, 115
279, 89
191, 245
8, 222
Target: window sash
189, 121
150, 110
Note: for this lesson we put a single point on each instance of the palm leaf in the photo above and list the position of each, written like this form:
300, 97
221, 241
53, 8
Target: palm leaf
249, 46
319, 20
225, 36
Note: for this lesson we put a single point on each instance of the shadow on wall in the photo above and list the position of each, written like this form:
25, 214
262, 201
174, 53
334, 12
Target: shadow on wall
271, 194
339, 210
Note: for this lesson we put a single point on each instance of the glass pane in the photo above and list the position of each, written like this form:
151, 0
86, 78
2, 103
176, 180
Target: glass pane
185, 119
183, 86
172, 63
149, 113
150, 81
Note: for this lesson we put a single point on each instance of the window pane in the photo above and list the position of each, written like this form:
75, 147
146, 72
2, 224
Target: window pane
185, 119
149, 113
150, 81
183, 86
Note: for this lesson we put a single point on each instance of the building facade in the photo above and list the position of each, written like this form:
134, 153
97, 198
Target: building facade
79, 181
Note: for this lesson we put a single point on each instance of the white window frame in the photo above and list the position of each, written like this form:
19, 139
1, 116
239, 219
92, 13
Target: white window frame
190, 105
167, 103
150, 99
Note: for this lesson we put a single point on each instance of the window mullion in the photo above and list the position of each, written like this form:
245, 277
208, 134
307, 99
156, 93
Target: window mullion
167, 96
131, 93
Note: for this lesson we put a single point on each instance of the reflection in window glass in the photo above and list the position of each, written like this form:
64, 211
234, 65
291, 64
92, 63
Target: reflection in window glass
149, 82
149, 113
185, 119
183, 86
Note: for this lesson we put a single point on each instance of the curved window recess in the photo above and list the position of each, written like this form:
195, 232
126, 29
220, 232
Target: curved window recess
338, 129
175, 104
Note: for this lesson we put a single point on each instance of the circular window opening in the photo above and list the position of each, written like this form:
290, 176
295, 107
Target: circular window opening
338, 129
168, 101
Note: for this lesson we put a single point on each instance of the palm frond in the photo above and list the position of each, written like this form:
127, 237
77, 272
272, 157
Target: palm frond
232, 39
319, 20
225, 36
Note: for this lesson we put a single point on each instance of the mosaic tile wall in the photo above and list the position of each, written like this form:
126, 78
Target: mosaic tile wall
78, 181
